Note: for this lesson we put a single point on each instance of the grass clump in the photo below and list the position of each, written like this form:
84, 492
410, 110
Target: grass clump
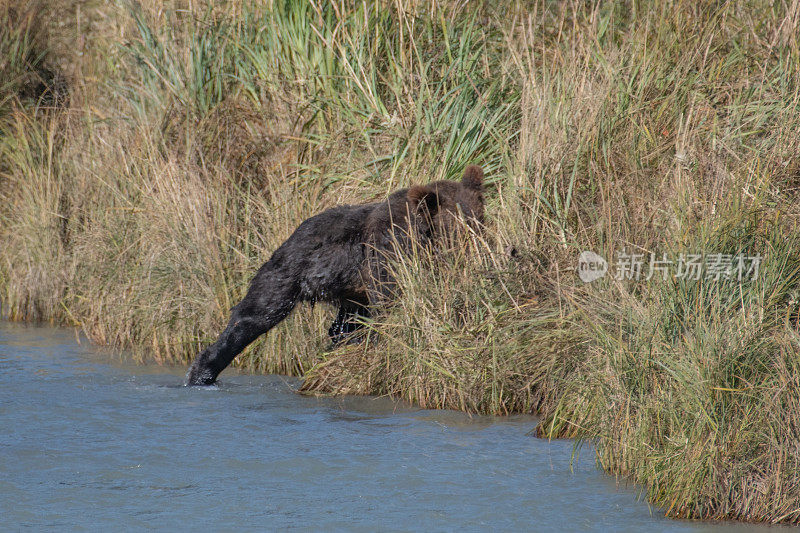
139, 207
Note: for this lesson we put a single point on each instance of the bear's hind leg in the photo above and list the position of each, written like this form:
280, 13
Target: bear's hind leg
347, 321
256, 314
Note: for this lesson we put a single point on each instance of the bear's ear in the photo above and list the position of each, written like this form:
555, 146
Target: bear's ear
424, 198
473, 178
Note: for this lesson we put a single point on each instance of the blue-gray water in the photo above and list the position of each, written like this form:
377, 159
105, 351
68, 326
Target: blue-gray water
90, 442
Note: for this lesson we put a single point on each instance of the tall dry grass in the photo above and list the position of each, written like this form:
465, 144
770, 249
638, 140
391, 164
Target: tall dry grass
196, 137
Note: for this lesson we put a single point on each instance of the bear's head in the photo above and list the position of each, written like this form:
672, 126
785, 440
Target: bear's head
444, 204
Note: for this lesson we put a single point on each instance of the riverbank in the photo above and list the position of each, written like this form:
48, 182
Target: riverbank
151, 159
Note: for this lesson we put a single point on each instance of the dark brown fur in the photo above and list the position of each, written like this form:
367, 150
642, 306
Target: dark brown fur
339, 256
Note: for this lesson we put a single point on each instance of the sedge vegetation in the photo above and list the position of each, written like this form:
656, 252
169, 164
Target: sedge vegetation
153, 155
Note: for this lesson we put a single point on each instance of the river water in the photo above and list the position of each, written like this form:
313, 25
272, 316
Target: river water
89, 441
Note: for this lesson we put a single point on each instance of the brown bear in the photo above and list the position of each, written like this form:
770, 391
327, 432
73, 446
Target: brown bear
340, 256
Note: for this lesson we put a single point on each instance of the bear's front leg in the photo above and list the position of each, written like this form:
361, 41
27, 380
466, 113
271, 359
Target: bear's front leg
347, 321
